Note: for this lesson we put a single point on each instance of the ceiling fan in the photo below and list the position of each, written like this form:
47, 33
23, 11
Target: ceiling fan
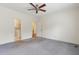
37, 7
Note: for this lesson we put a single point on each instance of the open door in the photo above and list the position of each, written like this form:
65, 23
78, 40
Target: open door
17, 30
34, 34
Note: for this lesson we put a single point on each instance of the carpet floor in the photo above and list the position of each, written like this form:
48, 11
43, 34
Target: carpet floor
41, 46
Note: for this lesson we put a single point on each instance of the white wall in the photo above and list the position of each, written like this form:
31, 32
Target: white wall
61, 25
7, 17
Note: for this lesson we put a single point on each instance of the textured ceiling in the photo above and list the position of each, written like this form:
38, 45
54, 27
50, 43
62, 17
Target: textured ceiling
50, 7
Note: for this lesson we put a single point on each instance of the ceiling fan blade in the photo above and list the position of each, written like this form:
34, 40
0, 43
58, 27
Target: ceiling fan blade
42, 5
32, 5
31, 9
42, 10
